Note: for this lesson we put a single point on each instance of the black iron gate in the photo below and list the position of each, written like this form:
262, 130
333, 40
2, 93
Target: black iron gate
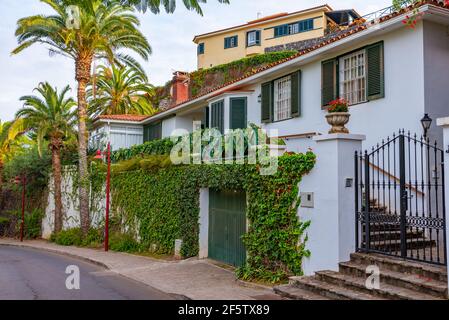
399, 198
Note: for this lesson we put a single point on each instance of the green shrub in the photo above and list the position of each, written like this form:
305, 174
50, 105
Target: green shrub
123, 242
94, 238
32, 223
69, 237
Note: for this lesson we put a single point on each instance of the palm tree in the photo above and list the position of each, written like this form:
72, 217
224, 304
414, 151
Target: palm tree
84, 30
51, 117
120, 90
10, 132
169, 5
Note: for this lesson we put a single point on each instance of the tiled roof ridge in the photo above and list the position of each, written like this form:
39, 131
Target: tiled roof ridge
123, 117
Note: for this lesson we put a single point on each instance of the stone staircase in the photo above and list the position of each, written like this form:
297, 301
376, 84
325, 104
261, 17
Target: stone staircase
386, 236
399, 280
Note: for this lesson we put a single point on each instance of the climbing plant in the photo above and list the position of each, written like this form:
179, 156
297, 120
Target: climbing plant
204, 79
159, 202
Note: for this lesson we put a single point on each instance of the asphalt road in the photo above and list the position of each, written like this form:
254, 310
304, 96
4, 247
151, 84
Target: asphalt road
28, 274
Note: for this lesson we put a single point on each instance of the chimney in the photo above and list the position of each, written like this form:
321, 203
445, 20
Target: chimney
180, 87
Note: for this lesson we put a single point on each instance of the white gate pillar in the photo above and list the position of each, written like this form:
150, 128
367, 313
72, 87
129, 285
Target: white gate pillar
444, 123
330, 187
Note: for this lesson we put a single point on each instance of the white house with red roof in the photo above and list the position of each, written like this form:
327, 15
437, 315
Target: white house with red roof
391, 75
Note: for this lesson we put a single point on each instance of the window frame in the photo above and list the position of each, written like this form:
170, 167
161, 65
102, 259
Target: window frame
341, 71
256, 43
290, 115
201, 48
231, 99
230, 39
289, 26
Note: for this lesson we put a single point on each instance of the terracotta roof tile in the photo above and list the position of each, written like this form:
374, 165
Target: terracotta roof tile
123, 117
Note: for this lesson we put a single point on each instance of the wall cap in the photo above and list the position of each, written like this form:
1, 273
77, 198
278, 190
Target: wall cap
339, 136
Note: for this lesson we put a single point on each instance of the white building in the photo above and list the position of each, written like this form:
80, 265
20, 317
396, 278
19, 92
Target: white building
392, 76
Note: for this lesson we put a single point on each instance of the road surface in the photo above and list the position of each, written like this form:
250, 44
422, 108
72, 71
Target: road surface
29, 274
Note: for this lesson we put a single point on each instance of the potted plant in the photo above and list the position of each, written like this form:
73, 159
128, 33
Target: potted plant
338, 116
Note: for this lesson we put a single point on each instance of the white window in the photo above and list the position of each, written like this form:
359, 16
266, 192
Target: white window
293, 28
353, 77
252, 38
282, 99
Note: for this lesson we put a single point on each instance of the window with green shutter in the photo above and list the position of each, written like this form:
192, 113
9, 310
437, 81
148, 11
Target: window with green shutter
217, 115
281, 98
152, 132
375, 71
296, 94
328, 82
205, 122
231, 42
237, 114
356, 77
267, 101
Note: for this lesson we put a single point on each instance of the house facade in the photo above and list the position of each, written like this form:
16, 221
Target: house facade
230, 44
390, 75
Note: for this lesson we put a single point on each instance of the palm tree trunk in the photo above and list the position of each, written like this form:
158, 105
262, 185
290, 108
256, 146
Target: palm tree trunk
56, 163
1, 176
83, 68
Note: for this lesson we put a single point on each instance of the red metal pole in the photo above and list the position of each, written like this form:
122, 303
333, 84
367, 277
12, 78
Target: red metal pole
22, 224
108, 187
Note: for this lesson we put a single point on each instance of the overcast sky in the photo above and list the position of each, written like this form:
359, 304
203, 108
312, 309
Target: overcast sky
170, 37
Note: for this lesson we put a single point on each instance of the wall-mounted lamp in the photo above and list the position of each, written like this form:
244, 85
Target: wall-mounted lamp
426, 122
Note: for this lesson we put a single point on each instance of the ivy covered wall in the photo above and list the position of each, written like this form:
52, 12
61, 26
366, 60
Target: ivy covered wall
159, 203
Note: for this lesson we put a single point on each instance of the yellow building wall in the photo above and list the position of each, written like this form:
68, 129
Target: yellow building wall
215, 53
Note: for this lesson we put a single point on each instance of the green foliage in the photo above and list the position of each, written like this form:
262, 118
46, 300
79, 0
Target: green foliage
32, 223
123, 242
233, 70
162, 205
34, 166
69, 237
155, 147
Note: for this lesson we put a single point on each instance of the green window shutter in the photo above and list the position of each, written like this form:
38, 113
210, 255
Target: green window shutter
329, 82
217, 116
267, 102
296, 94
152, 132
205, 118
375, 71
238, 113
258, 37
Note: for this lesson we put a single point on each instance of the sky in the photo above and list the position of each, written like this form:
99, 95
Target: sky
170, 36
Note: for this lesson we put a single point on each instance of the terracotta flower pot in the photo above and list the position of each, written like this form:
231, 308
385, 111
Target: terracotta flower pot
338, 120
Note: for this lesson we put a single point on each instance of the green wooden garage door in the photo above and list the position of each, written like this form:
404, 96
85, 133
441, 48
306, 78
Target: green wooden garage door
227, 225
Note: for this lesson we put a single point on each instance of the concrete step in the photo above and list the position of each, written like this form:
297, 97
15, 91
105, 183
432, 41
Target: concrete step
430, 271
386, 291
383, 227
399, 279
395, 245
330, 290
387, 235
295, 293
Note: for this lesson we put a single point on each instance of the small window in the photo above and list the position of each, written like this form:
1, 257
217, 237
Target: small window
280, 31
282, 99
253, 38
353, 77
200, 48
231, 42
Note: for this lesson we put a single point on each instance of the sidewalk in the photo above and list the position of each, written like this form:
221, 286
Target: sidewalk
194, 279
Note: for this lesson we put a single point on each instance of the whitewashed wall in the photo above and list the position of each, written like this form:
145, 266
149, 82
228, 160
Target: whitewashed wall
70, 202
